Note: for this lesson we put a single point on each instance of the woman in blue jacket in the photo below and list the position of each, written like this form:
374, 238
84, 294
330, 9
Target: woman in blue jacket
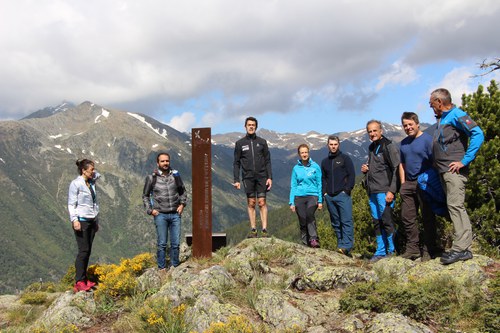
83, 211
305, 195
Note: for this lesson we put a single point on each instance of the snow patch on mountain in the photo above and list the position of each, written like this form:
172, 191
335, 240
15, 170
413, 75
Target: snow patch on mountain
163, 133
105, 113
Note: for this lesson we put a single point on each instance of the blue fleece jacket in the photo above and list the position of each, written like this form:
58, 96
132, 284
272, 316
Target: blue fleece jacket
450, 143
306, 180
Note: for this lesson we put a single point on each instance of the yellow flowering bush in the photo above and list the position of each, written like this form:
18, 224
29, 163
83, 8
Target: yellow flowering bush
69, 328
234, 324
119, 280
158, 315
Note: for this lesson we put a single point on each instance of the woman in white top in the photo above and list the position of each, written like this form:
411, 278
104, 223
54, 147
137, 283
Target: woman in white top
83, 212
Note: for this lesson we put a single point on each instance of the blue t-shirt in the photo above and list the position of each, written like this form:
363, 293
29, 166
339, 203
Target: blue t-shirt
416, 155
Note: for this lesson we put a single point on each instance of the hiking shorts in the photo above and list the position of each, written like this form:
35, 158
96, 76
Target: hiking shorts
255, 187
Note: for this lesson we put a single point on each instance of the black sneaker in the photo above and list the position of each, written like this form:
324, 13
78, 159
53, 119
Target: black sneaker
410, 255
454, 256
252, 234
345, 252
264, 233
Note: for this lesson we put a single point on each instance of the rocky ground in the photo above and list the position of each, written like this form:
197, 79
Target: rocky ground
293, 287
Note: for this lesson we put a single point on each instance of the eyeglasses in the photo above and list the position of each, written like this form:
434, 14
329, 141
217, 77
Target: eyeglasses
432, 101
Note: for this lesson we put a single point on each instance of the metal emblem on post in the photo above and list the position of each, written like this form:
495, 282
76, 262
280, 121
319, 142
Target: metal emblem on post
201, 139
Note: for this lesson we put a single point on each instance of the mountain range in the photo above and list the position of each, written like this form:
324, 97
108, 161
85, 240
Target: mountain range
37, 163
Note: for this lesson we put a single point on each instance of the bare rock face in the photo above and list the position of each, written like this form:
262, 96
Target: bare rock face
69, 308
395, 323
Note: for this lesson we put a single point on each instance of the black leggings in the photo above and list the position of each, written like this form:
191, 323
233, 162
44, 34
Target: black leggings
84, 239
305, 207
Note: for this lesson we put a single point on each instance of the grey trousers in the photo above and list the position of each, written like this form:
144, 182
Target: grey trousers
454, 187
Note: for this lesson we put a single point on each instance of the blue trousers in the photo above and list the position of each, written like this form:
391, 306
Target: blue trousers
340, 209
166, 223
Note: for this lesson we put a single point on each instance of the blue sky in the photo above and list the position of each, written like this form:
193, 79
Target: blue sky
320, 65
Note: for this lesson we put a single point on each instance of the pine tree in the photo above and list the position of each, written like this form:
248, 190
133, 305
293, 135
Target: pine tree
482, 197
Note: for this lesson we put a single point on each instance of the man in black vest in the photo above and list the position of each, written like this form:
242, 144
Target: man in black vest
382, 174
164, 197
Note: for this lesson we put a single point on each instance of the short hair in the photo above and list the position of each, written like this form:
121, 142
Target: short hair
83, 165
303, 145
158, 156
374, 121
252, 119
333, 138
443, 95
410, 116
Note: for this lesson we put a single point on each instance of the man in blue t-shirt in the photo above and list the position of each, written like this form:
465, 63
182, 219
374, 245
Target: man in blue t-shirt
416, 157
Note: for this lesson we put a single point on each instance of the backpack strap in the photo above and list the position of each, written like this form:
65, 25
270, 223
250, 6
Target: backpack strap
153, 180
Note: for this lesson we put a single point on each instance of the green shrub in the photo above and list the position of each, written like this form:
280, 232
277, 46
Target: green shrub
34, 298
436, 300
490, 312
49, 287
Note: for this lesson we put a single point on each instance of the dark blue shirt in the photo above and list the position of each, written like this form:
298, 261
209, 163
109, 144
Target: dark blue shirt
416, 155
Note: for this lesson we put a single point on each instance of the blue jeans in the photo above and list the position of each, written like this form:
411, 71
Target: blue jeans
165, 223
340, 209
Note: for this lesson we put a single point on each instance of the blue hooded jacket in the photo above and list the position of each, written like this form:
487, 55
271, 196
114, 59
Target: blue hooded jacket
306, 180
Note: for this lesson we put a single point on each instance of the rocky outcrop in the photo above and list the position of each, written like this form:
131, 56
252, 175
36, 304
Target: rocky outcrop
280, 285
76, 309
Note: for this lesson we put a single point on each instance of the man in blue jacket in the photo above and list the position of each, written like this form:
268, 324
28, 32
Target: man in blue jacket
338, 180
452, 156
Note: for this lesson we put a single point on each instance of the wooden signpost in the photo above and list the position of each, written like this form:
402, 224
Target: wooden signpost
202, 191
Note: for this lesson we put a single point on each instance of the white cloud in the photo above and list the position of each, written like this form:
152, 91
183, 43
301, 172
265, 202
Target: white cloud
273, 55
399, 74
465, 80
183, 122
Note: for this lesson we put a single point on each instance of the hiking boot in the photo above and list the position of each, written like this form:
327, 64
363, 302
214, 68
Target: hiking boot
80, 286
345, 252
252, 234
376, 258
314, 243
264, 233
454, 256
425, 257
90, 284
410, 255
438, 252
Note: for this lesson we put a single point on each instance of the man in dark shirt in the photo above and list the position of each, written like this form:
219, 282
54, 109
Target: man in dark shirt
253, 159
416, 158
337, 181
382, 173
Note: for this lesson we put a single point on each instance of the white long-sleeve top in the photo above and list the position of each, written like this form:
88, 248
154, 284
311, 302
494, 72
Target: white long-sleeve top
80, 202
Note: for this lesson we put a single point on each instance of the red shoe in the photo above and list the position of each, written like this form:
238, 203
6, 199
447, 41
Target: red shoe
314, 243
90, 284
80, 286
